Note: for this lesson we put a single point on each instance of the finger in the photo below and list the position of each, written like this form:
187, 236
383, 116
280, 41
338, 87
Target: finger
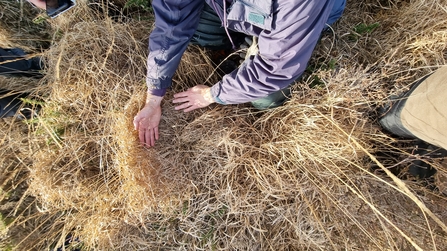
191, 108
152, 137
135, 123
182, 106
181, 94
141, 136
147, 135
156, 133
180, 100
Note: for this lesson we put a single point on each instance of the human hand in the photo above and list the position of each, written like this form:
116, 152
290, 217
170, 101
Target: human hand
41, 4
147, 120
197, 97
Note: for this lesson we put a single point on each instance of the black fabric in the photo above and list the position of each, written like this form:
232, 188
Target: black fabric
422, 167
13, 62
10, 103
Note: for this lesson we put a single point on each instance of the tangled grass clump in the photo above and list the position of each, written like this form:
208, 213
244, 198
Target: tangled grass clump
301, 176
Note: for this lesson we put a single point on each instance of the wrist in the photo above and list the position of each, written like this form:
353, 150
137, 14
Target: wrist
208, 96
153, 100
215, 90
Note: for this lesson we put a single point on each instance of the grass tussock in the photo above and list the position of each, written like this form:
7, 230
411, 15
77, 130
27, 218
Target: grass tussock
300, 177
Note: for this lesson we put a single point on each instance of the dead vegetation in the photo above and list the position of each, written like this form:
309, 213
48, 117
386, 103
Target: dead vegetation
300, 177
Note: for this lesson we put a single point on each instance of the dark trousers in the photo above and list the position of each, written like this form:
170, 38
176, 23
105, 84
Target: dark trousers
210, 33
10, 103
14, 63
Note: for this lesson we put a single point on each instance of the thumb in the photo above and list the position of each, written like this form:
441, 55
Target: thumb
136, 123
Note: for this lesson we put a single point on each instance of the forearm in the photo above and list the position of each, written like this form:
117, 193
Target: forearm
175, 24
279, 61
251, 82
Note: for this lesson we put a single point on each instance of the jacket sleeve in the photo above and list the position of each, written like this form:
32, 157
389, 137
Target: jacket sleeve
175, 24
283, 53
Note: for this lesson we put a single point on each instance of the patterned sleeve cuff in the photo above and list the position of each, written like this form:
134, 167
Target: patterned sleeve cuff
158, 92
217, 99
215, 94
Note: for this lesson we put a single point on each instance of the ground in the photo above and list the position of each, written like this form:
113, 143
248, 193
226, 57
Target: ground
316, 174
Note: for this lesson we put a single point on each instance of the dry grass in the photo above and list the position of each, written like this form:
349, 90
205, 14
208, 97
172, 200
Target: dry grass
19, 29
298, 177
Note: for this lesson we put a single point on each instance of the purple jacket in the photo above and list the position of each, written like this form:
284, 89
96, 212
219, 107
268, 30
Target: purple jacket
287, 32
